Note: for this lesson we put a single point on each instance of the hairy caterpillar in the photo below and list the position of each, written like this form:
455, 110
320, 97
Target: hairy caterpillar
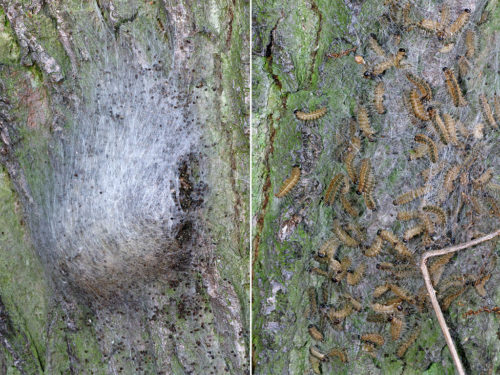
319, 271
380, 290
329, 248
418, 152
470, 43
427, 223
364, 123
407, 215
313, 302
334, 266
409, 342
336, 315
448, 299
315, 352
343, 236
370, 183
315, 364
356, 232
456, 26
422, 86
373, 43
439, 126
333, 188
289, 182
483, 179
417, 106
402, 293
429, 25
354, 303
369, 201
447, 48
438, 211
364, 172
345, 263
374, 338
385, 266
450, 127
384, 309
315, 333
431, 146
463, 66
410, 196
311, 116
355, 277
453, 88
413, 232
375, 247
348, 207
393, 60
479, 285
379, 98
450, 176
396, 327
436, 269
485, 106
351, 171
388, 236
340, 354
402, 250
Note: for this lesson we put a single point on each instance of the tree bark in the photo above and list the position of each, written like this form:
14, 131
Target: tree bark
124, 192
304, 59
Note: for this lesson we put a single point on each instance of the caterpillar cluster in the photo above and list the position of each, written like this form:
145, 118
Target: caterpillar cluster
448, 145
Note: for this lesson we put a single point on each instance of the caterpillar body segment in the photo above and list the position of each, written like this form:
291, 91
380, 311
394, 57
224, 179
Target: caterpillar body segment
364, 172
311, 116
379, 98
433, 150
440, 127
410, 196
364, 123
421, 85
373, 43
458, 24
289, 183
417, 106
453, 88
343, 236
487, 113
315, 333
375, 247
451, 128
373, 338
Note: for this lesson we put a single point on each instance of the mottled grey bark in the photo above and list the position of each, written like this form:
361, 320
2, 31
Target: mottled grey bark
124, 195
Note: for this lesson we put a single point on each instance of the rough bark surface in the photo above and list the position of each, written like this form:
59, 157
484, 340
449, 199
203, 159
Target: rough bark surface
303, 60
124, 141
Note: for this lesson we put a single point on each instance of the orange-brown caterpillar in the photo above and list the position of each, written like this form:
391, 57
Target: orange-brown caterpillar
412, 232
313, 302
315, 364
340, 354
450, 127
438, 211
479, 285
417, 106
355, 277
385, 266
351, 171
375, 248
329, 248
483, 179
407, 215
410, 196
333, 188
336, 316
402, 251
419, 152
384, 309
427, 223
388, 236
431, 146
315, 352
380, 290
456, 26
311, 116
345, 263
463, 66
370, 183
369, 201
315, 333
372, 41
485, 106
378, 99
429, 25
453, 88
343, 236
348, 207
422, 86
470, 43
393, 60
402, 293
319, 271
448, 299
485, 309
374, 338
334, 266
289, 182
440, 127
450, 177
354, 303
364, 123
436, 269
356, 231
406, 345
396, 327
364, 172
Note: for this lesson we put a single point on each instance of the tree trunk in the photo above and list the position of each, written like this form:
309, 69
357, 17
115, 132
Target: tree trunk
304, 59
124, 190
